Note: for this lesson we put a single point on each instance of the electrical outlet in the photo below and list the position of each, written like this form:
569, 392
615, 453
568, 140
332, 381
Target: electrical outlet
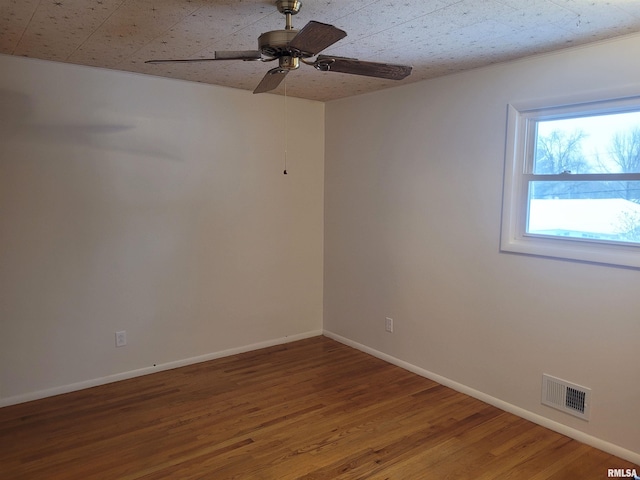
121, 338
388, 325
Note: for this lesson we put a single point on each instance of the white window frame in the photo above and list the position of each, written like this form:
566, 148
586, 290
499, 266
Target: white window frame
521, 118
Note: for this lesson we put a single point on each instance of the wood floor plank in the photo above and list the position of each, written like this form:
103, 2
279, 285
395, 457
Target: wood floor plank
313, 409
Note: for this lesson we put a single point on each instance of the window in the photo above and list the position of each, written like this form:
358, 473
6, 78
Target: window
572, 181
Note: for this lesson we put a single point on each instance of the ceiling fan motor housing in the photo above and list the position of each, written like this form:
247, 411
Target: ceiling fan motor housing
275, 44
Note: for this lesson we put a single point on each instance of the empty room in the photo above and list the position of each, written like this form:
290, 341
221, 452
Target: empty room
361, 239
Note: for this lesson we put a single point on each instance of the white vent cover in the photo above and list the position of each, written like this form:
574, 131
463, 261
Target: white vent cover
566, 397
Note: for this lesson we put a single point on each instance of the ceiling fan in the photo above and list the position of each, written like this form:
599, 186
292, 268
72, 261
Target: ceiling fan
291, 47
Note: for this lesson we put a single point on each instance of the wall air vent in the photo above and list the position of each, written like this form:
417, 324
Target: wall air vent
566, 397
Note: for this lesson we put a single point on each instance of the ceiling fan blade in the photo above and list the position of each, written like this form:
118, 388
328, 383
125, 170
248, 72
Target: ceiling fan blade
246, 55
327, 63
271, 80
315, 37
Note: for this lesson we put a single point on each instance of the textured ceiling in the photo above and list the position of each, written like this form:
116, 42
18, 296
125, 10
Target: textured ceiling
437, 37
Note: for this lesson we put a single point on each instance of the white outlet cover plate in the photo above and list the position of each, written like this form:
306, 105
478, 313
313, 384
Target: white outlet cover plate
121, 338
388, 324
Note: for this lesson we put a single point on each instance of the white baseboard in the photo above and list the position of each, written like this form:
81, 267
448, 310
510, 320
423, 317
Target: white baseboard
4, 402
496, 402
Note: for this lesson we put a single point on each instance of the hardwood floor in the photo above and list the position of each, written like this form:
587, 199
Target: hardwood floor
313, 409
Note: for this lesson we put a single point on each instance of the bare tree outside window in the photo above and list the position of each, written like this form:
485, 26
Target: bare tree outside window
625, 150
560, 152
629, 225
625, 155
556, 153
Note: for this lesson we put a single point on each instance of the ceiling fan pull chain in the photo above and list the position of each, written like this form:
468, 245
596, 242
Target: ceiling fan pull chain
286, 136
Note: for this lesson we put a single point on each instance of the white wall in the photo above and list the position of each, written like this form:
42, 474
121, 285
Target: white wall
413, 187
153, 206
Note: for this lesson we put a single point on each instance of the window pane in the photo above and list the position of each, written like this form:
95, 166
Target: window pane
607, 211
595, 144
